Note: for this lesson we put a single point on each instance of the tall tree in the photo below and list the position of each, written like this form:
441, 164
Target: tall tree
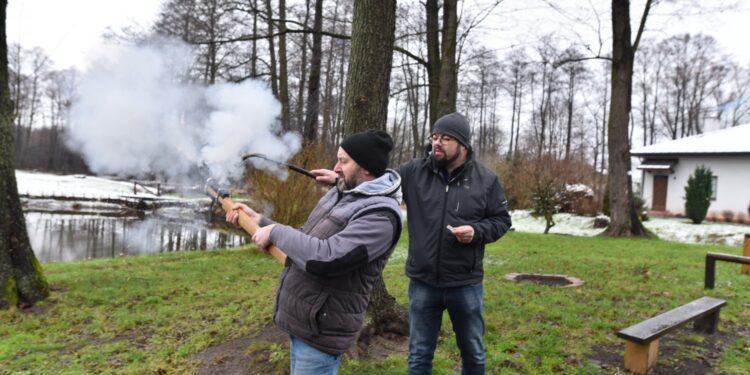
21, 277
283, 75
366, 107
442, 69
313, 88
624, 220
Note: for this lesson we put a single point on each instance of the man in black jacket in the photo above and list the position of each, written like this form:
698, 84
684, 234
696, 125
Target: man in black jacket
455, 205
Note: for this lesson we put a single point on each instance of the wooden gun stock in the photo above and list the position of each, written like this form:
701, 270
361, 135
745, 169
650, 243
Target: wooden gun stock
245, 222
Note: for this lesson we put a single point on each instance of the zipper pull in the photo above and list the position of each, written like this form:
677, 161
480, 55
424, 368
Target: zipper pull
446, 188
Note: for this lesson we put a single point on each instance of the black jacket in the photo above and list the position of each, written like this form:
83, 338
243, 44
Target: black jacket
474, 196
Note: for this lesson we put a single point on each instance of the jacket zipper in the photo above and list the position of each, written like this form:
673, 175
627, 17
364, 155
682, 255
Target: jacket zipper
442, 230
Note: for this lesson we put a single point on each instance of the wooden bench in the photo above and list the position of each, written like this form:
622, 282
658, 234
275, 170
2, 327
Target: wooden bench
642, 339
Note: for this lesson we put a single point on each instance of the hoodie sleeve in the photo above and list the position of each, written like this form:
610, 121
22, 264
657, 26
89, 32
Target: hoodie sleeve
496, 220
364, 239
264, 221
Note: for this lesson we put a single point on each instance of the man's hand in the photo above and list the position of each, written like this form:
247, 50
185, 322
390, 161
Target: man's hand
464, 233
325, 177
262, 236
233, 216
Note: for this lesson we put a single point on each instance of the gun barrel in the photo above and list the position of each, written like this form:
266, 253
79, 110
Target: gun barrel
293, 167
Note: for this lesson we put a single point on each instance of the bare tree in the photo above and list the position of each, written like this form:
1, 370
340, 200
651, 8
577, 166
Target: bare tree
574, 72
734, 101
694, 72
313, 88
624, 220
516, 75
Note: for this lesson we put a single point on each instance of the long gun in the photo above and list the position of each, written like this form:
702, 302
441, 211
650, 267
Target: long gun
293, 167
244, 220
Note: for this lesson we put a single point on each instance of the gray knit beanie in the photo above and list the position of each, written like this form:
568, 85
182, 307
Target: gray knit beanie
455, 125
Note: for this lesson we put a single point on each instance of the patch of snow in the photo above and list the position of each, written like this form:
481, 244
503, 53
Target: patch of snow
565, 223
670, 229
683, 230
46, 184
580, 188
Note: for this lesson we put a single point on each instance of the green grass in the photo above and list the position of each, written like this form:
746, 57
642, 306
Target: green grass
149, 314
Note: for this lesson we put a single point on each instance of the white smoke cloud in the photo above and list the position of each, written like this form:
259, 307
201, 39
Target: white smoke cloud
135, 114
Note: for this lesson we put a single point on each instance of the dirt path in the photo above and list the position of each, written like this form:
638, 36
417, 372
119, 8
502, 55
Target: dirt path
266, 352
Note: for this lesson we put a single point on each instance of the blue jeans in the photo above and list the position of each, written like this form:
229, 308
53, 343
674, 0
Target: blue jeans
464, 305
306, 360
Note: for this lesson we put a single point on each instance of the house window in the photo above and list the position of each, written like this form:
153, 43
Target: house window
714, 185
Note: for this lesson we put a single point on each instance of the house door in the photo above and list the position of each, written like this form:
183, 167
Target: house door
659, 200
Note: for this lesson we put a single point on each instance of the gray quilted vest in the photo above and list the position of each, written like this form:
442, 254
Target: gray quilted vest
327, 313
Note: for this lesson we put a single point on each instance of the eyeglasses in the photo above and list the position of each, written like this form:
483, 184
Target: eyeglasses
441, 138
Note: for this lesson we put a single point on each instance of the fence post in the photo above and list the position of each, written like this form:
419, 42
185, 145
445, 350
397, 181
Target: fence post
746, 252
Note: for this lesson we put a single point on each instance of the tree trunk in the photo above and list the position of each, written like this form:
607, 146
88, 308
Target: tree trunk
313, 88
21, 278
368, 78
433, 57
623, 221
283, 75
254, 48
571, 97
302, 74
273, 78
366, 107
448, 69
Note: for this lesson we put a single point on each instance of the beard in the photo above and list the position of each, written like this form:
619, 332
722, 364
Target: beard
348, 183
446, 160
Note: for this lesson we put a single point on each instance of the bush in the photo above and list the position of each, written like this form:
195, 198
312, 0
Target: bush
640, 207
578, 199
698, 193
290, 201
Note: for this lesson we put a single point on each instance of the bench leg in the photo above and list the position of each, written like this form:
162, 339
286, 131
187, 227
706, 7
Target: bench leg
708, 323
640, 357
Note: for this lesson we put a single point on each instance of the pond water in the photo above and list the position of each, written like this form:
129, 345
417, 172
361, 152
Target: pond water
62, 237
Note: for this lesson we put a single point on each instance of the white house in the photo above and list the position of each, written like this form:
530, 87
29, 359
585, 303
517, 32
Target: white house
666, 167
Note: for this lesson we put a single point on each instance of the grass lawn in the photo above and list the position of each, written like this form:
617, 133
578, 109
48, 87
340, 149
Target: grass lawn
150, 314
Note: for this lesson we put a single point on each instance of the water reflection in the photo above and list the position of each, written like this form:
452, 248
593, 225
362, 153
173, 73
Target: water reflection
66, 237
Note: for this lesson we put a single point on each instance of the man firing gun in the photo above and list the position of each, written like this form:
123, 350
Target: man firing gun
337, 256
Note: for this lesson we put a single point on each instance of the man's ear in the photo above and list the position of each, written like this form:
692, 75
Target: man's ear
365, 173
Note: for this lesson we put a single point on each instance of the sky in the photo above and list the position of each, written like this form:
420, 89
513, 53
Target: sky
523, 22
69, 31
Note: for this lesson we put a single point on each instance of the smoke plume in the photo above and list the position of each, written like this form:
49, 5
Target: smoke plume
136, 114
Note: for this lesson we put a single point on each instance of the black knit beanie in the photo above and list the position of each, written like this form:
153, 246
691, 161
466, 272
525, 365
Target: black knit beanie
370, 150
455, 125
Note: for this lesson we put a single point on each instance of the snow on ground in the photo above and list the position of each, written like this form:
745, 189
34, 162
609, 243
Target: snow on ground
683, 230
565, 224
44, 184
670, 229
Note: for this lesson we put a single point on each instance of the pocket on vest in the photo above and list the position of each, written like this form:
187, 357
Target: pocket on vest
316, 309
333, 322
